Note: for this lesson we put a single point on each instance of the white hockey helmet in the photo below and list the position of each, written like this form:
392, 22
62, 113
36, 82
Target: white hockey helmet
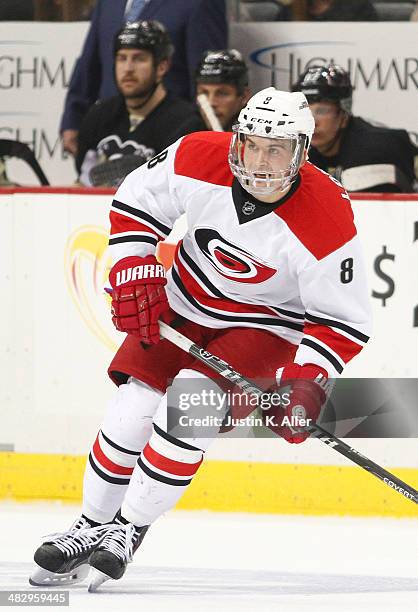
279, 116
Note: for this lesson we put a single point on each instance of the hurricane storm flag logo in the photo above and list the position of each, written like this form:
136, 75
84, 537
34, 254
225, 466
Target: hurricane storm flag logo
230, 260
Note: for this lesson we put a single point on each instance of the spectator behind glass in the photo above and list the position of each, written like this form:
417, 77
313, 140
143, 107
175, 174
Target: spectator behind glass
222, 80
222, 76
120, 133
16, 10
193, 27
360, 155
327, 10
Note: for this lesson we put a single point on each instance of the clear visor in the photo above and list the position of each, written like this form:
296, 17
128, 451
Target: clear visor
263, 164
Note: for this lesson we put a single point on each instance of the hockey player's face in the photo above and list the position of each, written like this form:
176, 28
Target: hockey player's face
267, 154
329, 119
224, 99
266, 166
135, 72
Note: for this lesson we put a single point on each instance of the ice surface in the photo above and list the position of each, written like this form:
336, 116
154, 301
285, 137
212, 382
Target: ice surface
228, 562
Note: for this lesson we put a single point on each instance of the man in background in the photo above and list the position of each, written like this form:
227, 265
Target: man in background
222, 91
193, 26
362, 156
222, 76
120, 133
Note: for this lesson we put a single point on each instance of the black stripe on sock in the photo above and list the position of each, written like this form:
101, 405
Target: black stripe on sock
156, 476
174, 440
104, 476
117, 447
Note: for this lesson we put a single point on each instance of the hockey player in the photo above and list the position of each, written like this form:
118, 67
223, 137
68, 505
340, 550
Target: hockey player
221, 79
362, 156
144, 118
222, 76
269, 276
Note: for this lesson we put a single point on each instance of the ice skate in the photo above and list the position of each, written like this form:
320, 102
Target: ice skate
110, 559
63, 557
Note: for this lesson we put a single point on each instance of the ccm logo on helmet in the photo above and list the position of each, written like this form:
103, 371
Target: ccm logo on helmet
230, 260
257, 120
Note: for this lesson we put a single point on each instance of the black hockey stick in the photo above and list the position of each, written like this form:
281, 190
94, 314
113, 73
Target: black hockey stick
112, 172
227, 372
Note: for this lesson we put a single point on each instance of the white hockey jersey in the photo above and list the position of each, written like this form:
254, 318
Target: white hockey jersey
294, 269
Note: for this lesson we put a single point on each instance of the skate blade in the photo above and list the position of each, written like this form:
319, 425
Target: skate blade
97, 578
44, 578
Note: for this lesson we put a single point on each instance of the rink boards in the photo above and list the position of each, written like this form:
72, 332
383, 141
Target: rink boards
57, 340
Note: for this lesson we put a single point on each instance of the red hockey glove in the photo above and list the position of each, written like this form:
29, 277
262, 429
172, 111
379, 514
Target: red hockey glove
139, 299
308, 385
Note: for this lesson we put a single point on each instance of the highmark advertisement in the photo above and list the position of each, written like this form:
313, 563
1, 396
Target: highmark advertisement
384, 76
36, 62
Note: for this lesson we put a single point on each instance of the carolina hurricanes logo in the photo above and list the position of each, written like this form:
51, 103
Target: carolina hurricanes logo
230, 260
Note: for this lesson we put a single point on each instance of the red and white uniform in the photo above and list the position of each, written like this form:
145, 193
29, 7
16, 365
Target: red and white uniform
295, 270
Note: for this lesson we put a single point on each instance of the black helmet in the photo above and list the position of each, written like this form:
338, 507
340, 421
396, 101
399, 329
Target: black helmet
224, 66
149, 35
326, 83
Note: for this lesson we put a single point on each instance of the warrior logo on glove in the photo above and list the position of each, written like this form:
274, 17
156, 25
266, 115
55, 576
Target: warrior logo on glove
139, 299
139, 273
